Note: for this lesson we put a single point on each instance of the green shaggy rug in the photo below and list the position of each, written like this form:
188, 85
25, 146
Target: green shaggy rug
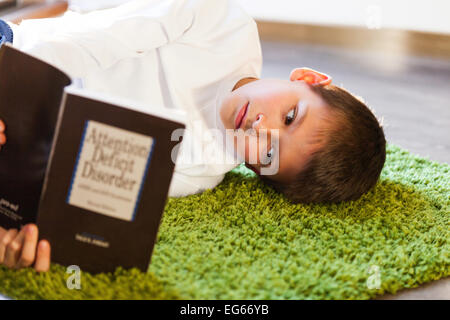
244, 241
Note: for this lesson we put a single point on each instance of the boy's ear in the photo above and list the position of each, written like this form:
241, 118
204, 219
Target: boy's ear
310, 76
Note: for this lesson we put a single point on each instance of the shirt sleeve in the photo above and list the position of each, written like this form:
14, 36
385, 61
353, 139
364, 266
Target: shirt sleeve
80, 43
83, 43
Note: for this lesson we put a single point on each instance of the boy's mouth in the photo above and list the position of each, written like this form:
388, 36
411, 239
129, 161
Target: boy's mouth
240, 116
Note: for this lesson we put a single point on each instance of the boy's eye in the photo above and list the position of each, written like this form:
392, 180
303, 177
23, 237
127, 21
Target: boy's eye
290, 117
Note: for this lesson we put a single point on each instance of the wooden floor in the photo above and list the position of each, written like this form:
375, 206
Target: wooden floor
411, 94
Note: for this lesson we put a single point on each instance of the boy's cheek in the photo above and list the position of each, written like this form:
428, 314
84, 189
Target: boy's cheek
227, 110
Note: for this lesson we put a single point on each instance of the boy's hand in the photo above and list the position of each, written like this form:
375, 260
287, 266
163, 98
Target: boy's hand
2, 133
20, 249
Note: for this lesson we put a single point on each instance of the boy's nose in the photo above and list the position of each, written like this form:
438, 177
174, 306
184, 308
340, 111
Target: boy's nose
265, 132
259, 122
262, 122
262, 127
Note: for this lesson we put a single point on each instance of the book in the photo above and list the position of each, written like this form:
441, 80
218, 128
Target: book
106, 181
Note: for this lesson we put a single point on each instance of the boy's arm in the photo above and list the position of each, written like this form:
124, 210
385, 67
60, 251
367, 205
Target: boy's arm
80, 43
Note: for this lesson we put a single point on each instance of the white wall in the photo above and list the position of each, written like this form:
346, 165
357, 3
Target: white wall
421, 15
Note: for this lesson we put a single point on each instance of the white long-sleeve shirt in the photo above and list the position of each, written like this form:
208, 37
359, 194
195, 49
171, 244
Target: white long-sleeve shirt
183, 54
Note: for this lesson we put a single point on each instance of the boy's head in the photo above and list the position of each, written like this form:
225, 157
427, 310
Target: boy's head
329, 146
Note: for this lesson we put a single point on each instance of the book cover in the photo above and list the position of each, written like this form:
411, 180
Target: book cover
107, 183
30, 97
92, 171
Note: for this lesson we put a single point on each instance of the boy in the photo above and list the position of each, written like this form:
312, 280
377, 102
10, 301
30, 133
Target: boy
314, 141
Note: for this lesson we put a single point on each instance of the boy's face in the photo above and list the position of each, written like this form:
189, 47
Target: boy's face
290, 107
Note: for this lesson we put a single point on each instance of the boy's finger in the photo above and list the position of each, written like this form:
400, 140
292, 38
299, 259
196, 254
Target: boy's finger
7, 237
29, 246
2, 138
9, 247
2, 233
43, 256
2, 126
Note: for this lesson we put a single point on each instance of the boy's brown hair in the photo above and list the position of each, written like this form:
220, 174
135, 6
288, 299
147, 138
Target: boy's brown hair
352, 157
